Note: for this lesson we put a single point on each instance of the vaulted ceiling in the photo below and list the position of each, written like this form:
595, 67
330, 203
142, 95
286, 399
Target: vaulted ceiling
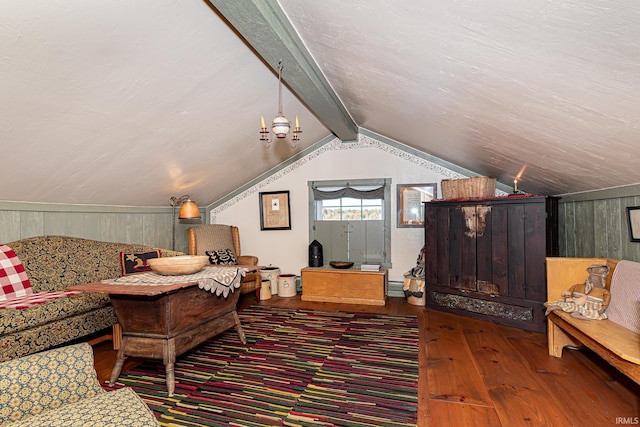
129, 102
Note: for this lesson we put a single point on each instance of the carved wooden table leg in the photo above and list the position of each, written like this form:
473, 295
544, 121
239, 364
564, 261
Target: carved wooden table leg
169, 359
171, 379
241, 335
117, 368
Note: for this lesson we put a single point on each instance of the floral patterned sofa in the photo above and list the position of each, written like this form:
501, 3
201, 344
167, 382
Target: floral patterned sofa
52, 264
59, 387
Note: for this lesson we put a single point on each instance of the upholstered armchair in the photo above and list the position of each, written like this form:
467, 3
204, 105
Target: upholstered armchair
220, 237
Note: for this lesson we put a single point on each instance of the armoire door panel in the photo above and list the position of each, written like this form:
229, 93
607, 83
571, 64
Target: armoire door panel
484, 256
442, 248
500, 249
431, 241
456, 235
517, 245
536, 248
468, 249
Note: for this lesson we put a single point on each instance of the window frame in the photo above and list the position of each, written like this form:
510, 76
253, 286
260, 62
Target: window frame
386, 206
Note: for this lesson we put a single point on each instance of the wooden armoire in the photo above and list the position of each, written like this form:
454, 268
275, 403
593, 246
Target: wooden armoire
485, 258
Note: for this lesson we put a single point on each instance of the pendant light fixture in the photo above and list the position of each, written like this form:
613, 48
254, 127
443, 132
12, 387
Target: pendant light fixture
280, 126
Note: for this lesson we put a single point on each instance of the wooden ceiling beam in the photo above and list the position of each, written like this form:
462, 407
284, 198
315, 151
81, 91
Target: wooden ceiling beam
266, 29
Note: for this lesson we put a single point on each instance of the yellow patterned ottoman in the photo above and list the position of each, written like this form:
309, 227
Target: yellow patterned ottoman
59, 387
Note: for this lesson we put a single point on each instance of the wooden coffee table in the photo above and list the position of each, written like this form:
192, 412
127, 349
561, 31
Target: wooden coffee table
164, 321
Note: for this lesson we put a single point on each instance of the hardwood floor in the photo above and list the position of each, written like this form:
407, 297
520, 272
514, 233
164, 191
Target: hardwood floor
475, 373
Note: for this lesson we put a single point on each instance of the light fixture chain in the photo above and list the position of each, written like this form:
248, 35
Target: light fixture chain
280, 89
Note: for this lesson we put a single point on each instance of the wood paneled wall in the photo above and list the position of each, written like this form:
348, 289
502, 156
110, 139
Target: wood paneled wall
148, 226
594, 224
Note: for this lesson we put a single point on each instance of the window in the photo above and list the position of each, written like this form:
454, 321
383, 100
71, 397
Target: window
351, 220
349, 208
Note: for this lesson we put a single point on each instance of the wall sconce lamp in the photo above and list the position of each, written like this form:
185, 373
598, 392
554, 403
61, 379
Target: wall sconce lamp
280, 125
188, 210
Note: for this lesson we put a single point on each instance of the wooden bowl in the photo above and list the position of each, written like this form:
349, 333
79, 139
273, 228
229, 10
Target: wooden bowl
341, 264
178, 265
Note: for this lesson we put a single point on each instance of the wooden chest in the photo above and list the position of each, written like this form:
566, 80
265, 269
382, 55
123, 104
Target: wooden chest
353, 286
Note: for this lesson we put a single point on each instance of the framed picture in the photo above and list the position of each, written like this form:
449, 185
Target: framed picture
275, 211
633, 217
410, 199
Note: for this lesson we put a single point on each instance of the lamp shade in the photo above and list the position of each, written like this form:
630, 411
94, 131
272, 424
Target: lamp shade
280, 126
188, 210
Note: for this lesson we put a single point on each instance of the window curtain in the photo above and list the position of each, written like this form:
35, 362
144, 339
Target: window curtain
376, 193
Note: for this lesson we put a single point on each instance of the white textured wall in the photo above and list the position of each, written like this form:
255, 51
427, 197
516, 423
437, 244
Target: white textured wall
368, 158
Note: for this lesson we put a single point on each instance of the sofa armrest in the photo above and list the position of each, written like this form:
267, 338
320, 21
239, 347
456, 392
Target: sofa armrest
58, 376
562, 273
168, 253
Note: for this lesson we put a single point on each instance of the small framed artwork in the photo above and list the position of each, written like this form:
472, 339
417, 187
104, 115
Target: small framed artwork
275, 211
410, 199
633, 218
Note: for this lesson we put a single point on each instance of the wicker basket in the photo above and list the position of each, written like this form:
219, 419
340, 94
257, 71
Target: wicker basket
476, 186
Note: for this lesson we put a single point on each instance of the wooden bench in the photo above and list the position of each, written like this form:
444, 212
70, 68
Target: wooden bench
616, 344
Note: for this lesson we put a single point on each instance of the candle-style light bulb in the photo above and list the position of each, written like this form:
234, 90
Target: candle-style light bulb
297, 123
515, 185
262, 122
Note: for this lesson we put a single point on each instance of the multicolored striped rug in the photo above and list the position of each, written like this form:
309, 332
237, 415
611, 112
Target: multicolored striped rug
299, 368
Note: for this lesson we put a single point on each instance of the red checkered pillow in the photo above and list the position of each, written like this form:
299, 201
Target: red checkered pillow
13, 279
